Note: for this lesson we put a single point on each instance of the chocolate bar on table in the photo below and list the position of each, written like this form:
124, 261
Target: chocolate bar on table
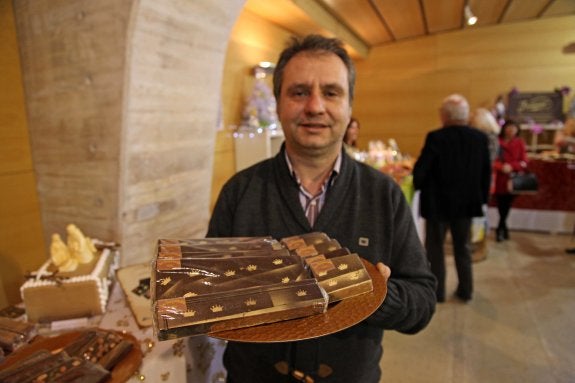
76, 370
10, 341
26, 329
33, 366
247, 307
94, 344
115, 355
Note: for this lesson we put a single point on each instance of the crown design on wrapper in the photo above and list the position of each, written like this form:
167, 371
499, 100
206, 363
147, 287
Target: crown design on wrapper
252, 268
277, 261
250, 302
332, 283
165, 281
217, 308
189, 313
229, 273
285, 279
301, 293
322, 274
190, 294
354, 276
343, 266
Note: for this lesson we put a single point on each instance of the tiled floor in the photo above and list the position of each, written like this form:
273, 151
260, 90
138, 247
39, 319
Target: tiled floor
519, 327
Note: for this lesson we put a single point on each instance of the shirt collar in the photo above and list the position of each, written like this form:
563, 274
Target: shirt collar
335, 171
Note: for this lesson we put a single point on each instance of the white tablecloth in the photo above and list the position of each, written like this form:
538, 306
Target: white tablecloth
551, 221
193, 359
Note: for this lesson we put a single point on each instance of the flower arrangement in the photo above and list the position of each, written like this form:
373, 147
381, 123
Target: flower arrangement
260, 109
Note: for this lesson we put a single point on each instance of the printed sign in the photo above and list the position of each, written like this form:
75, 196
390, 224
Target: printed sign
542, 107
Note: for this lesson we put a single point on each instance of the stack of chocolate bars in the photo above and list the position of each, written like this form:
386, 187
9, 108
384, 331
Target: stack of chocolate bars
89, 358
339, 272
14, 334
207, 285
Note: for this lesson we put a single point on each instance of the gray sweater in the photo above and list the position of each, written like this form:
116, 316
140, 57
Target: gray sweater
366, 212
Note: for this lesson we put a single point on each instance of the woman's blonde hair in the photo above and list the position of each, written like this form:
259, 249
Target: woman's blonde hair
484, 120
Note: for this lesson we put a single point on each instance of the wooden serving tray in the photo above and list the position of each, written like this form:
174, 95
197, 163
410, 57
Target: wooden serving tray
339, 316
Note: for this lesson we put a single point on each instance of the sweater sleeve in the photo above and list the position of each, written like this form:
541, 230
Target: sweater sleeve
410, 301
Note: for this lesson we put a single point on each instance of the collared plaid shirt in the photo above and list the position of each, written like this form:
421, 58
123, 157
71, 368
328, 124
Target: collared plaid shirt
312, 204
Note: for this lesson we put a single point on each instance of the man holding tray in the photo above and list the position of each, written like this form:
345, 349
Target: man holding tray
312, 185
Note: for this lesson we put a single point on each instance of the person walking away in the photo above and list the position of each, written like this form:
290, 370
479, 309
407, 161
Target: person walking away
453, 174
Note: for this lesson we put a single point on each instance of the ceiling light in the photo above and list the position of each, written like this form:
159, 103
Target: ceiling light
263, 69
470, 18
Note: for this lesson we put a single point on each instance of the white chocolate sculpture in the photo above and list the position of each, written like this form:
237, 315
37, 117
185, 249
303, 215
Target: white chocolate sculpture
81, 247
60, 255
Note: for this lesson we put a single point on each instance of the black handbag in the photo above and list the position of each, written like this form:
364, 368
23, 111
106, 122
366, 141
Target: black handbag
523, 183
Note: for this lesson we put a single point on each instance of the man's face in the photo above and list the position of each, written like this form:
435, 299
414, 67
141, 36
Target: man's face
314, 107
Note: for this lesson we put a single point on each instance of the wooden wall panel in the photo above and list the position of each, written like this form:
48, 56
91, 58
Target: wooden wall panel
400, 86
21, 244
21, 241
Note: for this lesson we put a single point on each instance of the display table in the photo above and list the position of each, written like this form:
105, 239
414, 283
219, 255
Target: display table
552, 209
194, 359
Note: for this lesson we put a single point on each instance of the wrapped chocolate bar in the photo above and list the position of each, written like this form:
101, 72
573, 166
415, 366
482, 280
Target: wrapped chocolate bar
203, 245
205, 286
316, 249
15, 333
210, 313
304, 240
336, 253
84, 357
341, 277
185, 252
105, 348
190, 277
44, 366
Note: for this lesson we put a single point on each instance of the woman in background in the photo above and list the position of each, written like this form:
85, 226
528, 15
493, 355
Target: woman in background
512, 157
485, 121
351, 133
350, 137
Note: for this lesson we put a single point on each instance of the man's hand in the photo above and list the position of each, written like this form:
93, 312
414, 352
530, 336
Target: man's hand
384, 270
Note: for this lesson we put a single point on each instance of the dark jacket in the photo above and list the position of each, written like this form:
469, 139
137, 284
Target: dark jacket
365, 211
453, 173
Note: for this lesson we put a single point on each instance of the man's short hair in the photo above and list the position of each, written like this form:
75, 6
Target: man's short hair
455, 109
318, 44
